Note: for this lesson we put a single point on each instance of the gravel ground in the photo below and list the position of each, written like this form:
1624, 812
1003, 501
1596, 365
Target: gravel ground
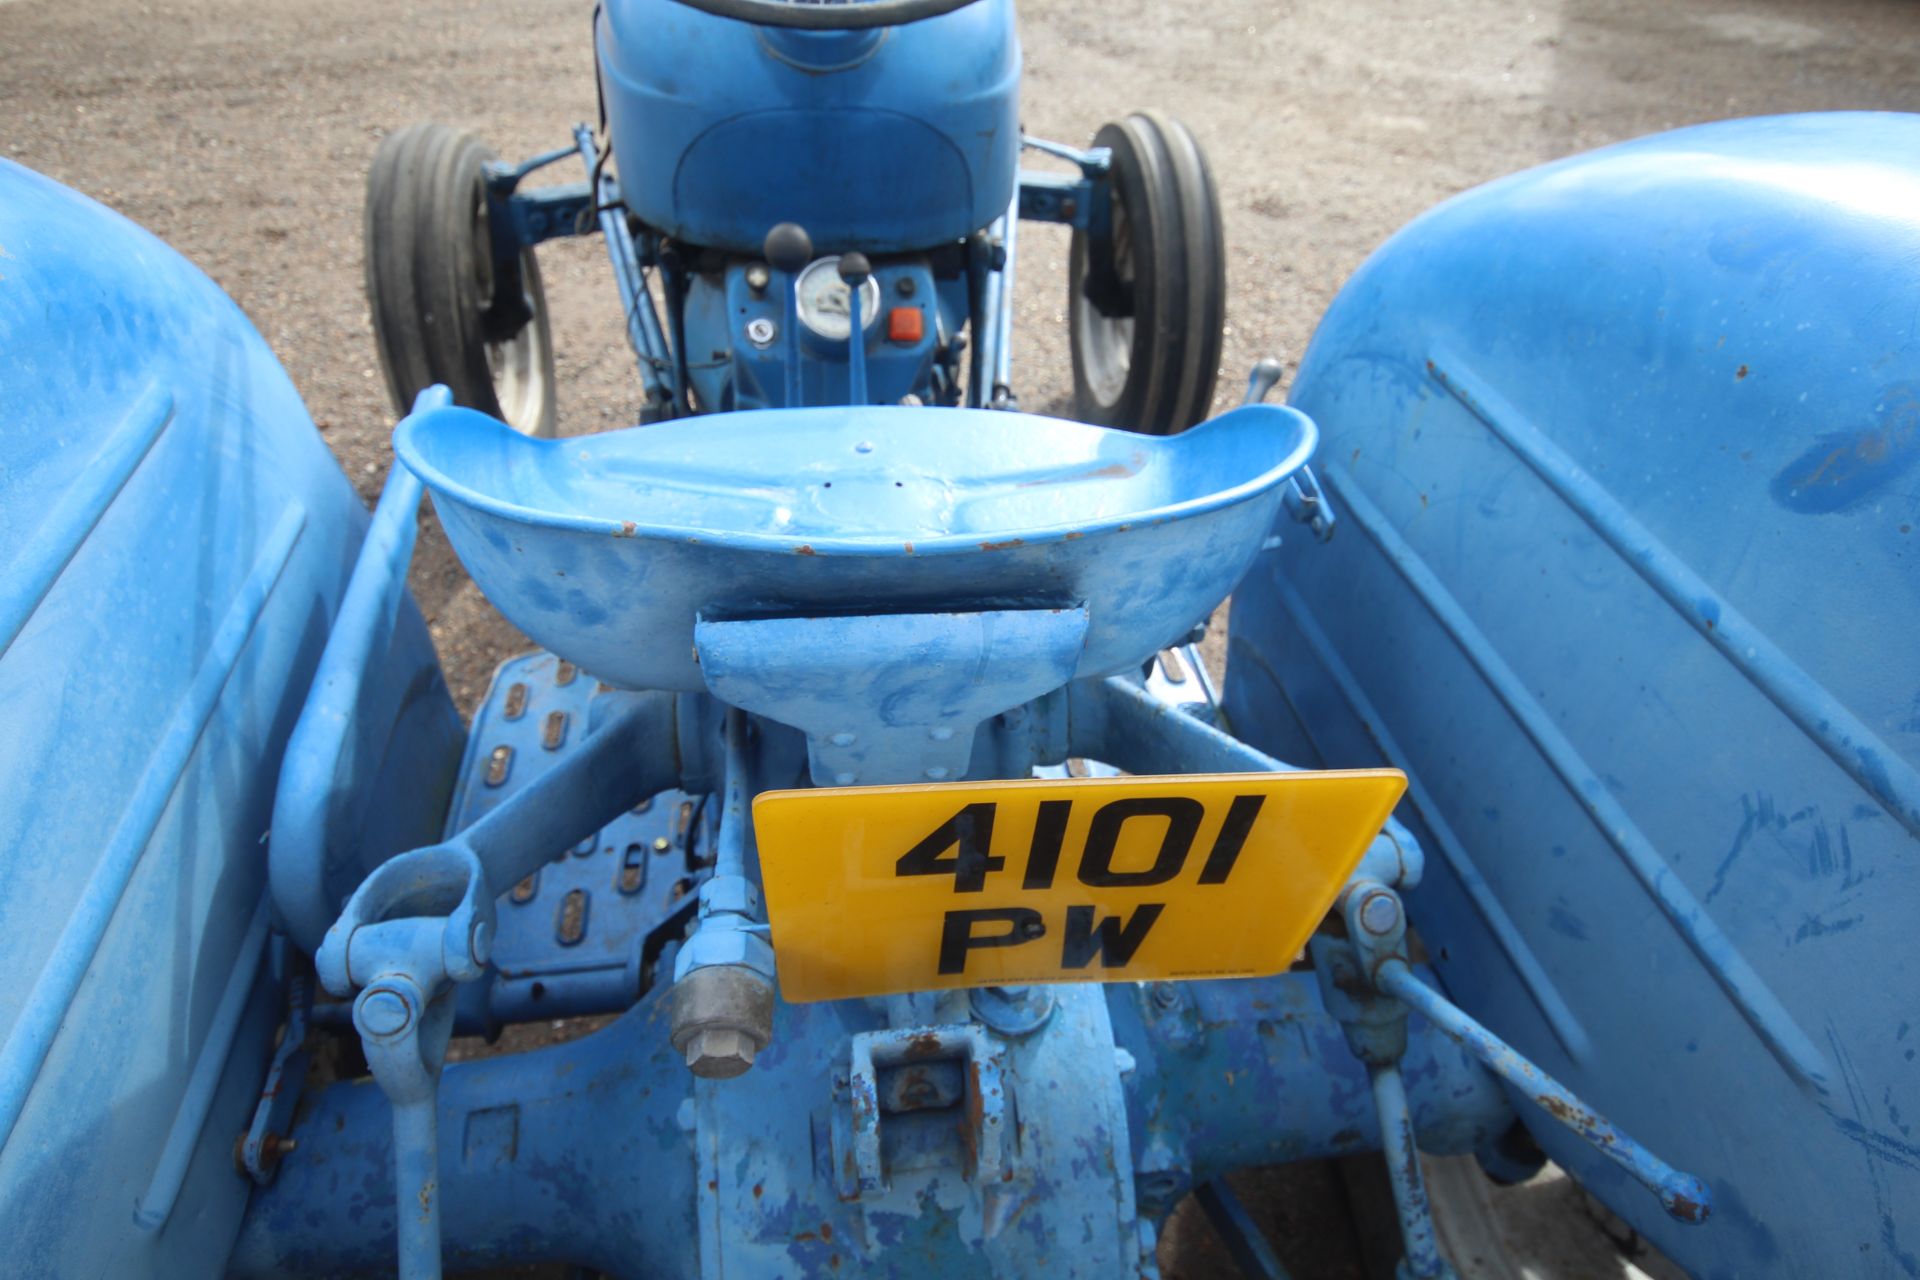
240, 131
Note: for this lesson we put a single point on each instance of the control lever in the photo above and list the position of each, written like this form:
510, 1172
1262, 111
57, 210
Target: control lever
788, 249
854, 269
1265, 376
1376, 924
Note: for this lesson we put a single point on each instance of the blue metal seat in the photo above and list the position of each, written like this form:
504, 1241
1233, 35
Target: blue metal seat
608, 549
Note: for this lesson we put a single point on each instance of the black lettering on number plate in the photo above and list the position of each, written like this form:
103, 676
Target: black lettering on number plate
1112, 939
971, 830
1183, 814
957, 938
1043, 856
1233, 834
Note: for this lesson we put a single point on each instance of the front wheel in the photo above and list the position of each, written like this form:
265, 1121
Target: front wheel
443, 310
1147, 302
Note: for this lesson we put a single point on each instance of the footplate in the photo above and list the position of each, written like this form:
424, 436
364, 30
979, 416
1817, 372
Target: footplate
583, 934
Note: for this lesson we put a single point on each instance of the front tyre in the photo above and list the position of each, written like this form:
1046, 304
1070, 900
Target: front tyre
442, 311
1147, 303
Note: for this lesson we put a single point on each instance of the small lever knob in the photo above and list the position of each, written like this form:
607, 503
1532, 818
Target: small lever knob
1265, 374
854, 269
788, 248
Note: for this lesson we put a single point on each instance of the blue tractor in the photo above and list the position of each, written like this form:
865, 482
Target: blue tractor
911, 897
768, 154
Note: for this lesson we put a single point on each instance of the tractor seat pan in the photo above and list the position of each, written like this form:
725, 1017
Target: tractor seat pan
605, 549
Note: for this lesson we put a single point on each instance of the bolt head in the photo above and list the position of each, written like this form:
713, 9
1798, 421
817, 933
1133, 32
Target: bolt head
383, 1012
1380, 914
761, 331
480, 942
717, 1054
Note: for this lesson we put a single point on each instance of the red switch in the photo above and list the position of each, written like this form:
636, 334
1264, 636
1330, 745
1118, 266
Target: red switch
906, 325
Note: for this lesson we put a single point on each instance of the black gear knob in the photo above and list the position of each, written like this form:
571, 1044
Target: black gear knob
788, 247
854, 269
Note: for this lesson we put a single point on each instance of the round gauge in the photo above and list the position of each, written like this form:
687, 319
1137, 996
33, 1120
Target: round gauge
825, 302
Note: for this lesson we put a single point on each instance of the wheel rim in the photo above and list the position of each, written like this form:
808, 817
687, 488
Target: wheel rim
518, 370
1106, 342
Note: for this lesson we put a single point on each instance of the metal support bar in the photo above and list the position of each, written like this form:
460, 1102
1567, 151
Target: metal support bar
643, 325
1000, 394
1238, 1231
1055, 197
983, 274
533, 217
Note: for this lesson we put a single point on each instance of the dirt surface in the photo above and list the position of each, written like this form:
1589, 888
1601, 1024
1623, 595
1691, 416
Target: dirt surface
240, 131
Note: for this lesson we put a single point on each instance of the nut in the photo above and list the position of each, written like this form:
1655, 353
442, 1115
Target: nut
718, 1054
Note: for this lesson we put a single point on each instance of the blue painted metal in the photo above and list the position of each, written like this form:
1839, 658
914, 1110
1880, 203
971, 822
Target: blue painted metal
1421, 1256
754, 375
606, 550
1628, 470
264, 1143
895, 697
174, 537
373, 758
1683, 1196
884, 141
585, 932
644, 332
678, 1174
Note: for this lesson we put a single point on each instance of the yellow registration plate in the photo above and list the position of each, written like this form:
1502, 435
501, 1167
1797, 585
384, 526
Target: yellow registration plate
874, 890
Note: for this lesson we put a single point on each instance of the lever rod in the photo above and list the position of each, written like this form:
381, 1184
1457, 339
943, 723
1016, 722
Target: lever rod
1683, 1195
856, 270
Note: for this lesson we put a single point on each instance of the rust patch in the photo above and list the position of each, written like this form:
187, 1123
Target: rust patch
499, 761
1568, 1114
1008, 545
909, 548
627, 528
1112, 471
826, 1231
565, 672
804, 550
759, 1189
1686, 1208
923, 1045
1740, 373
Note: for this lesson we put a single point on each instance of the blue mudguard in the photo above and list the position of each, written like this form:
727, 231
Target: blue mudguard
174, 538
1628, 578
